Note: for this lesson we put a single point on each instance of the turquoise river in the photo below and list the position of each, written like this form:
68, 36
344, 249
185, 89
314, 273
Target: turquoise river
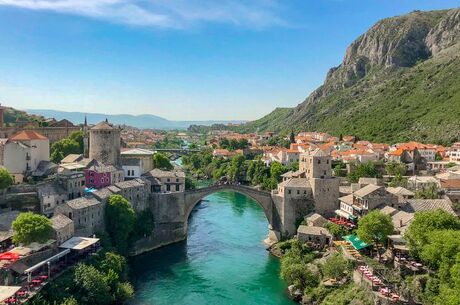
223, 261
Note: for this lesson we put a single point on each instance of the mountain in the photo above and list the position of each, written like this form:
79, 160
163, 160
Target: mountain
138, 121
398, 81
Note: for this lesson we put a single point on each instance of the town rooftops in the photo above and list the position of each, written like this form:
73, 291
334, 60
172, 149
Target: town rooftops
292, 174
130, 183
316, 219
401, 220
348, 199
388, 210
60, 221
365, 181
103, 126
102, 194
82, 202
71, 158
399, 191
101, 168
158, 173
319, 153
368, 189
450, 184
312, 230
295, 182
420, 205
27, 135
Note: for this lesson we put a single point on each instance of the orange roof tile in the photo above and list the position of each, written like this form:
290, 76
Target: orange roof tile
27, 135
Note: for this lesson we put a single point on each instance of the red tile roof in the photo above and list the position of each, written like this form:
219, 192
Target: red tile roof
27, 135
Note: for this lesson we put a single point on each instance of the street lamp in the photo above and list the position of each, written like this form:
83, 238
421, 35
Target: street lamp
49, 268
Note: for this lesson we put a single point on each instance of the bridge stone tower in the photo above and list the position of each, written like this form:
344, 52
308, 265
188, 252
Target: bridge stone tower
105, 144
325, 188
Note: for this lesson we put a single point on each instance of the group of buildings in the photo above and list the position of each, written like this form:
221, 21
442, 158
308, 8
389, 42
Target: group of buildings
75, 194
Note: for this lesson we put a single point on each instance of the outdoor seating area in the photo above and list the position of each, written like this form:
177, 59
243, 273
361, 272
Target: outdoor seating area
342, 222
376, 281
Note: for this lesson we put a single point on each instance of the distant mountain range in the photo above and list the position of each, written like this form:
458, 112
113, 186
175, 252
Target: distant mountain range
139, 121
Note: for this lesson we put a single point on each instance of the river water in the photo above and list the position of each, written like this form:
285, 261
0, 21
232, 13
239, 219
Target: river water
223, 261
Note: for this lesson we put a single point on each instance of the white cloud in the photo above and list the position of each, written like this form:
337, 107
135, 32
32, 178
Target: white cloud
165, 13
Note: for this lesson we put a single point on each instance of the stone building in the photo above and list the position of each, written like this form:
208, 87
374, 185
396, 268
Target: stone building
315, 235
166, 181
23, 152
136, 162
105, 144
135, 191
86, 213
63, 228
99, 175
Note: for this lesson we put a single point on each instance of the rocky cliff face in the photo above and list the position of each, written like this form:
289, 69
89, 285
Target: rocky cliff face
396, 61
390, 44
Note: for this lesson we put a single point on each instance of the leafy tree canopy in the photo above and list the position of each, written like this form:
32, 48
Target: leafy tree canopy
367, 170
120, 221
30, 227
162, 162
424, 223
375, 227
6, 179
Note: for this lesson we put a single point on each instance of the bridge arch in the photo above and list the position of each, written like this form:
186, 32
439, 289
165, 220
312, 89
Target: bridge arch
263, 198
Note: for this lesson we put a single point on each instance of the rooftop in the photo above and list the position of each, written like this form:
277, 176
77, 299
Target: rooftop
368, 189
158, 173
60, 221
295, 182
27, 135
138, 152
420, 205
401, 191
311, 230
103, 126
82, 202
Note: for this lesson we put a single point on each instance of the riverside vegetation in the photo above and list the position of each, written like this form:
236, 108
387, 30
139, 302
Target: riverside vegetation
433, 238
103, 278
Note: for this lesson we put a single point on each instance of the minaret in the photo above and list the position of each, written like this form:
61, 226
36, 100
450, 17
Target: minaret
85, 139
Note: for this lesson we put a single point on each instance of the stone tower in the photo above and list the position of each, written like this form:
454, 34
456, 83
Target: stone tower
325, 188
105, 144
316, 164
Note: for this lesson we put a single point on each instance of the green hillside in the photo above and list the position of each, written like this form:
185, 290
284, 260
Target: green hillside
398, 81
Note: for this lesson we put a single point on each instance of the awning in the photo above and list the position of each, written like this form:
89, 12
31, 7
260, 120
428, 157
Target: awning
79, 243
42, 263
7, 292
357, 243
345, 214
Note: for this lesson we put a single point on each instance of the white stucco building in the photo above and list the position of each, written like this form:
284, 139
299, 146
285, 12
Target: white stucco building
22, 152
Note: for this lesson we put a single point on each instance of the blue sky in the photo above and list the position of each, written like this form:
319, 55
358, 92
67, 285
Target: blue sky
180, 59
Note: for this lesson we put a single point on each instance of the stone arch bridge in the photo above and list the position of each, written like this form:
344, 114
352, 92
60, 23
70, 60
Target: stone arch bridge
171, 212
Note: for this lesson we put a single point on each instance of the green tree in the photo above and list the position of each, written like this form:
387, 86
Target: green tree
30, 227
334, 266
375, 227
189, 183
162, 162
115, 262
6, 179
276, 170
120, 221
398, 181
64, 147
367, 170
335, 229
94, 285
237, 170
144, 224
395, 168
123, 292
419, 232
430, 191
69, 301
